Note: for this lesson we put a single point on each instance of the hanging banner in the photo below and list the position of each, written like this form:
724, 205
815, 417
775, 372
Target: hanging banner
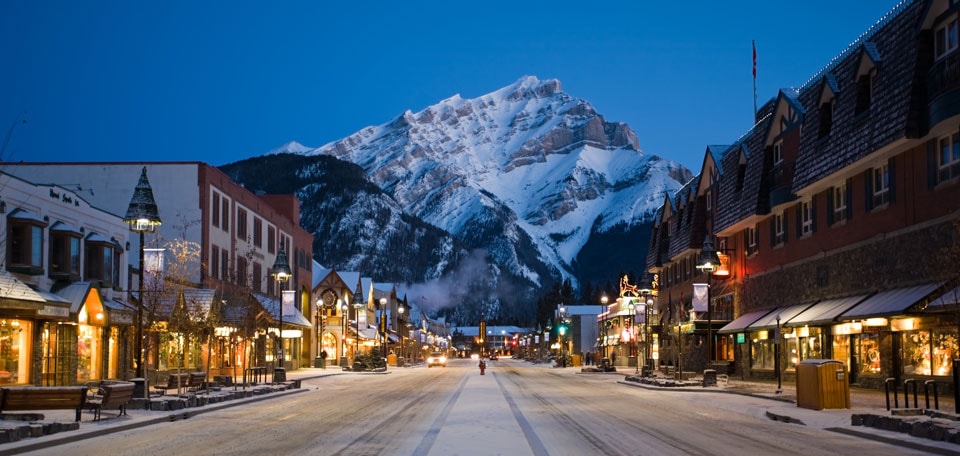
700, 297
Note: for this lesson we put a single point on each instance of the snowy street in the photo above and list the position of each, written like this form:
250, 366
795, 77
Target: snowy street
517, 408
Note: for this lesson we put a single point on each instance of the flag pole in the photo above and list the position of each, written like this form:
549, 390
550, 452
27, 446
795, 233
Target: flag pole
754, 44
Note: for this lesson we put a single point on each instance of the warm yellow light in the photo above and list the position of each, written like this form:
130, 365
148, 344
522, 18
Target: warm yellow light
876, 322
904, 324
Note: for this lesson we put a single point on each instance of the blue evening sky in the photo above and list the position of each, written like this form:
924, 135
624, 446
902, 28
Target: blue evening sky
220, 81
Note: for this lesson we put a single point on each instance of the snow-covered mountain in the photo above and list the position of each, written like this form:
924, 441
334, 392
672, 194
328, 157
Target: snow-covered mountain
527, 173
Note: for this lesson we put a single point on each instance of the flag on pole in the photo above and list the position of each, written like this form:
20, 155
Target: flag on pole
754, 43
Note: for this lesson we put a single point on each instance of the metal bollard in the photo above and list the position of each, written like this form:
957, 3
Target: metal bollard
906, 387
936, 394
886, 388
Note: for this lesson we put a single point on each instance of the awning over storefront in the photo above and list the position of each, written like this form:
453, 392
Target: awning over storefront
769, 320
825, 312
951, 297
56, 308
15, 294
890, 302
742, 322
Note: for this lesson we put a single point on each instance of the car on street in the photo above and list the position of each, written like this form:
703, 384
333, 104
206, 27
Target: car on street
494, 357
437, 359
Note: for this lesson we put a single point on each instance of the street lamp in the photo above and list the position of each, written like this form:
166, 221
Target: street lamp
776, 352
603, 324
399, 326
281, 273
633, 312
709, 261
357, 305
142, 216
382, 327
343, 332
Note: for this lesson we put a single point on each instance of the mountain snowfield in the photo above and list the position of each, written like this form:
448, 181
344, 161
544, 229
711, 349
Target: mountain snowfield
524, 164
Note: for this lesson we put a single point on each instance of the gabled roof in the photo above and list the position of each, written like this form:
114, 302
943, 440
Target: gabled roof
198, 301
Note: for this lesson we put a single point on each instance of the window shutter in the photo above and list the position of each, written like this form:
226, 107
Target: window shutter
849, 199
773, 231
786, 223
868, 189
932, 165
799, 222
830, 195
892, 178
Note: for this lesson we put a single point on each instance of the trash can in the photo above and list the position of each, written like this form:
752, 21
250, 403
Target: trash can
320, 362
822, 384
709, 377
139, 387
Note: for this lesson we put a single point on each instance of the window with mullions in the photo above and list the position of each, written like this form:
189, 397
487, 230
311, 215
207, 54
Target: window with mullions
948, 161
753, 240
778, 152
25, 243
779, 229
806, 218
880, 185
98, 253
945, 38
64, 253
839, 196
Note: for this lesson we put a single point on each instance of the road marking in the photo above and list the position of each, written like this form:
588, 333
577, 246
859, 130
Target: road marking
535, 444
431, 436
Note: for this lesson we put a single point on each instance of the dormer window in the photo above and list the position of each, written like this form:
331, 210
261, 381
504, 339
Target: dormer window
945, 38
865, 78
864, 93
778, 152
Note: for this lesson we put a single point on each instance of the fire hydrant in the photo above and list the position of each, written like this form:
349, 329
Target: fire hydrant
483, 367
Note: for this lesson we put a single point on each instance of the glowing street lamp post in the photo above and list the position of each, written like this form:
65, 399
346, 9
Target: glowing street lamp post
281, 273
343, 332
142, 216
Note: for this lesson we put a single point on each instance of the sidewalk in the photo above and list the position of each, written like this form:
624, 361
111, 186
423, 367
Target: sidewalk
868, 409
59, 426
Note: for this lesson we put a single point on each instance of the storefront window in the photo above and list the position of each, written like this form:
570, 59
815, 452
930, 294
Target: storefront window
14, 343
929, 352
761, 354
870, 353
841, 349
793, 352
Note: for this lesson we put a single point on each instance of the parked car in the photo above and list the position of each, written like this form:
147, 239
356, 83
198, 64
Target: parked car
494, 357
437, 359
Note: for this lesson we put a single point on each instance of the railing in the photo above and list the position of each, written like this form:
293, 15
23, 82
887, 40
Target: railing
944, 76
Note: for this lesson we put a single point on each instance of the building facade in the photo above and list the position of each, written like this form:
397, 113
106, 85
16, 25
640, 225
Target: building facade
238, 236
63, 283
836, 215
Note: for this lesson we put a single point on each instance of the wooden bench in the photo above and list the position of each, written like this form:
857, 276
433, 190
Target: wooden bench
113, 394
196, 381
174, 381
43, 398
